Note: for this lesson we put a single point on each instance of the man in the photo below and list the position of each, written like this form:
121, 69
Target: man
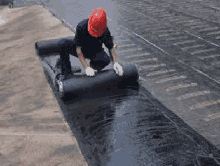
90, 34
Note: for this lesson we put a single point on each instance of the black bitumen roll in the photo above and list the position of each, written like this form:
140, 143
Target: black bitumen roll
83, 83
45, 47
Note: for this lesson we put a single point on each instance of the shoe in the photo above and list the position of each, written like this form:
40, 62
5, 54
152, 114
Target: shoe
61, 77
58, 83
60, 86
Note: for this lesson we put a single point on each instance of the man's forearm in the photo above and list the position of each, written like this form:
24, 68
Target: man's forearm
113, 54
81, 58
83, 62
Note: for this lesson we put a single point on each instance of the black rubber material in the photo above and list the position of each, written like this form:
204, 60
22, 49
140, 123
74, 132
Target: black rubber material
84, 83
51, 72
45, 47
79, 84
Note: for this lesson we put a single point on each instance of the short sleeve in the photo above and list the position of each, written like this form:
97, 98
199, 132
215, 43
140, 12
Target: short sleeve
78, 36
108, 39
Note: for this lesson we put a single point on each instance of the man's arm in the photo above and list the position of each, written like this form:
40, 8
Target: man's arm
89, 71
118, 69
82, 58
108, 41
113, 53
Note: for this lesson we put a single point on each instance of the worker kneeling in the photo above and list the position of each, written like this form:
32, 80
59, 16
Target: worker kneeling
90, 34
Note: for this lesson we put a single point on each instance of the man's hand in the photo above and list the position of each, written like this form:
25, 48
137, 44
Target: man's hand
118, 69
90, 71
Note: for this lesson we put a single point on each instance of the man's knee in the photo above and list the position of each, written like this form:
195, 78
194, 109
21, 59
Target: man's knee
100, 62
103, 57
108, 60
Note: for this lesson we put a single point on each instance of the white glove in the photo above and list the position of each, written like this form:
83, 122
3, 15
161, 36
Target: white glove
118, 69
90, 71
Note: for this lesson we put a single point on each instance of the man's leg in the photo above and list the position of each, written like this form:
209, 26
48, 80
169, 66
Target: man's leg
65, 45
100, 61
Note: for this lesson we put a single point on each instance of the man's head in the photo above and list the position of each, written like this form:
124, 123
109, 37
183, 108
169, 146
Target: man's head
97, 24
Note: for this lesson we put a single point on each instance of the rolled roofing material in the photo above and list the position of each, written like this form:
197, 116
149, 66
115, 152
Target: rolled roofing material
84, 83
80, 84
49, 46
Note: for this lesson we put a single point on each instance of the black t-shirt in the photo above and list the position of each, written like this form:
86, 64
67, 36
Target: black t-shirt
91, 45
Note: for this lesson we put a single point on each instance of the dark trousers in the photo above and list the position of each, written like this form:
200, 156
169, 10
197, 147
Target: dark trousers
98, 60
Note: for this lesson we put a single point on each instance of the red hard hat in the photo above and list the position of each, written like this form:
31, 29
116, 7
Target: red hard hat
97, 24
